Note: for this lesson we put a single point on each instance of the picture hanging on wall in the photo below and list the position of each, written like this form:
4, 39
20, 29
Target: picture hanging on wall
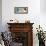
21, 10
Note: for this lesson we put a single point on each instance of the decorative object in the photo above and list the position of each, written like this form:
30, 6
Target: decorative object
41, 36
21, 10
13, 21
27, 21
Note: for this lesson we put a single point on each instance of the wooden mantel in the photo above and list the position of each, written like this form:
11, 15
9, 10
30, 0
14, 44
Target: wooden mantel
23, 27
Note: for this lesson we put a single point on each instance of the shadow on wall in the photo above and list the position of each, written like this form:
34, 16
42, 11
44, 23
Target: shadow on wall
43, 6
0, 23
0, 15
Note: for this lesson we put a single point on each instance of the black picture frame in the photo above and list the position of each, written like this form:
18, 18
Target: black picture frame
21, 10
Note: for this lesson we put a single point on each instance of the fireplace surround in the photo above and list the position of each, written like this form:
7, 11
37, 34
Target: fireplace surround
20, 38
22, 33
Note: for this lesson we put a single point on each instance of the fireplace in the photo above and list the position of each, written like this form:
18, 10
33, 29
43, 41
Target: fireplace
20, 38
22, 33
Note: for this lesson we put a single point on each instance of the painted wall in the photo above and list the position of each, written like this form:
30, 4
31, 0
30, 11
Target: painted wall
43, 6
34, 14
0, 15
8, 11
43, 14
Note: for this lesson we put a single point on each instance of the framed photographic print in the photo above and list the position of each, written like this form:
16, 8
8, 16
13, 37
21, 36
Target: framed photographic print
21, 10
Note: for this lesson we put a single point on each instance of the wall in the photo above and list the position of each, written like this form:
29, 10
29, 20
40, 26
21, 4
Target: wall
43, 6
43, 14
35, 14
0, 15
8, 10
